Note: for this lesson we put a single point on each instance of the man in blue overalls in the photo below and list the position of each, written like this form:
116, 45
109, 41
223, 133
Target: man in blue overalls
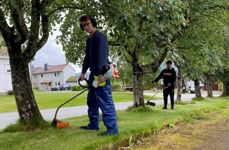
96, 59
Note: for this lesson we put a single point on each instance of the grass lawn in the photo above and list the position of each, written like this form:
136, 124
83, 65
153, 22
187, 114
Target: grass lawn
54, 99
132, 124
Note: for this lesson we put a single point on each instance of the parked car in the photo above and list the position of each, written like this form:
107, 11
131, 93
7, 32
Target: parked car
191, 86
128, 87
65, 87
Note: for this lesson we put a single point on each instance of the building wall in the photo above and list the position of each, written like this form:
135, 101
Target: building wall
5, 75
68, 72
56, 79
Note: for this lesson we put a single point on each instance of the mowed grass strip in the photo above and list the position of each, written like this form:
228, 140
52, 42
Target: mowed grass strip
135, 123
54, 99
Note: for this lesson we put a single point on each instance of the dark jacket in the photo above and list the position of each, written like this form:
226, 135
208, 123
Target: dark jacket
168, 76
96, 53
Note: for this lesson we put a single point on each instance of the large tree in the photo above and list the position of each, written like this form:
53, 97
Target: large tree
25, 27
201, 45
142, 31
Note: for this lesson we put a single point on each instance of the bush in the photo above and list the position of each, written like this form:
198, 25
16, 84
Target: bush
116, 87
11, 92
54, 89
198, 99
76, 88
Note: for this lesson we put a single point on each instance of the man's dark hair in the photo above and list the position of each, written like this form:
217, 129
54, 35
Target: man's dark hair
169, 62
86, 18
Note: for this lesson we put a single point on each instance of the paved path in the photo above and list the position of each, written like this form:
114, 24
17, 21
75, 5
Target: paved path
68, 112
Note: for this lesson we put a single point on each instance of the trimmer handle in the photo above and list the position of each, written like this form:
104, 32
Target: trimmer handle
83, 86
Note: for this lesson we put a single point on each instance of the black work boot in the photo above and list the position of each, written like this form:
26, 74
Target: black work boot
165, 107
172, 107
88, 128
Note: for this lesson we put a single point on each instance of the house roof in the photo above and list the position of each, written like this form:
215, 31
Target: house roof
51, 69
72, 79
3, 51
45, 82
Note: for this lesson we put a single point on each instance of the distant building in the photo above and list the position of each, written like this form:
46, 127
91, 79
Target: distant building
51, 77
72, 81
5, 72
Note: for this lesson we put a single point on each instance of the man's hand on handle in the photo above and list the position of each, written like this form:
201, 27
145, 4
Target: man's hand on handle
100, 78
82, 77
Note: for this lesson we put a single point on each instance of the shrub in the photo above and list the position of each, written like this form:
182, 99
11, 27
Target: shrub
116, 87
76, 88
54, 89
11, 92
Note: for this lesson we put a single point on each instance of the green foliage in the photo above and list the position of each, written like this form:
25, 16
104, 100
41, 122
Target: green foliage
200, 48
143, 28
1, 41
116, 87
10, 92
76, 88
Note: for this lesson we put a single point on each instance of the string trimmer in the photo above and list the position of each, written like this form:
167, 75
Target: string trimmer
59, 124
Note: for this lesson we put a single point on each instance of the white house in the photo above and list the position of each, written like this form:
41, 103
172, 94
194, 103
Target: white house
51, 76
5, 72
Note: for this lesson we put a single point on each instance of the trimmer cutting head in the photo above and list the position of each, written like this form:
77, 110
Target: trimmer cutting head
59, 124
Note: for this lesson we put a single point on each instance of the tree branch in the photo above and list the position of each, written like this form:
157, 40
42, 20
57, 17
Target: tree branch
29, 55
34, 30
4, 28
45, 31
149, 68
225, 7
17, 17
46, 3
59, 8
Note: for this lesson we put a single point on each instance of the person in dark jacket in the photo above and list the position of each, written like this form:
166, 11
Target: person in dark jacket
169, 77
96, 59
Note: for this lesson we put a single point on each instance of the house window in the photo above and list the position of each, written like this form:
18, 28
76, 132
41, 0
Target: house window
55, 74
58, 73
35, 76
58, 83
55, 83
41, 75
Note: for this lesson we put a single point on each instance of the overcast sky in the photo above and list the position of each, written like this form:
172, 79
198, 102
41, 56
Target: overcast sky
51, 53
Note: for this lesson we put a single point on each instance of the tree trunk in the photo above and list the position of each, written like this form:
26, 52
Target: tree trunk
197, 88
27, 107
179, 84
184, 90
137, 85
225, 88
208, 86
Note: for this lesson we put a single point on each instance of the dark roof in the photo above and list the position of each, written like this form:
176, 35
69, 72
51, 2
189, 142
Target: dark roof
51, 69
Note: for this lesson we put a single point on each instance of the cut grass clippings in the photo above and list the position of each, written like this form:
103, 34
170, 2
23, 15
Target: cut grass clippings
132, 125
